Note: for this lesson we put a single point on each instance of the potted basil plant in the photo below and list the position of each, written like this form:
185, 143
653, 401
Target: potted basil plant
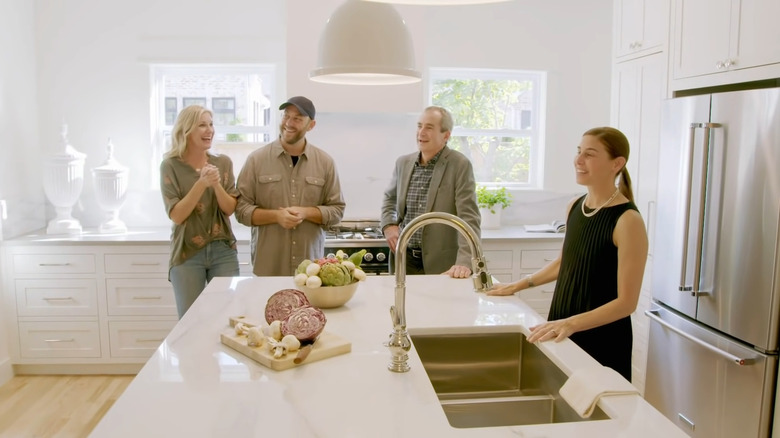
488, 200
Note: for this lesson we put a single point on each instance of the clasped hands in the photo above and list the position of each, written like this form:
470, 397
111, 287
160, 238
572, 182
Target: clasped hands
209, 174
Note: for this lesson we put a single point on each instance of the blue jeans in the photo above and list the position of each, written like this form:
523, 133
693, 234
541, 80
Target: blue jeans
217, 259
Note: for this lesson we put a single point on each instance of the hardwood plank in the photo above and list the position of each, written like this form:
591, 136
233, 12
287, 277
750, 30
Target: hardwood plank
68, 406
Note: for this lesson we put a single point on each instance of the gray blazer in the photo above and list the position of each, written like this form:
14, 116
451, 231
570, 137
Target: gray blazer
452, 190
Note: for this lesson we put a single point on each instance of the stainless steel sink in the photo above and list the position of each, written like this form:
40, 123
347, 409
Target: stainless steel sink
494, 379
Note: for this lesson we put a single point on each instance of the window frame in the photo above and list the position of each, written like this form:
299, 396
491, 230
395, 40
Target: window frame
159, 129
535, 133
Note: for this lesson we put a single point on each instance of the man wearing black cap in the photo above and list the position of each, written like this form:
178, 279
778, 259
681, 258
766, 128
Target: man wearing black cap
289, 191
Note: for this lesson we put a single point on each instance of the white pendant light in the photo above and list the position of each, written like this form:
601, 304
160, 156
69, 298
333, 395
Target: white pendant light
365, 43
438, 2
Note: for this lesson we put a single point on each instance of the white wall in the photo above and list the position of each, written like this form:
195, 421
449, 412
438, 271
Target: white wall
93, 59
93, 70
20, 150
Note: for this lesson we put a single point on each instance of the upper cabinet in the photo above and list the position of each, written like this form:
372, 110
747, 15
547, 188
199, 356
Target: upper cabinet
641, 27
718, 42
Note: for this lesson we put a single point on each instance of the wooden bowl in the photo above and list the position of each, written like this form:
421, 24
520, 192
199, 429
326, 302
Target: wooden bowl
328, 297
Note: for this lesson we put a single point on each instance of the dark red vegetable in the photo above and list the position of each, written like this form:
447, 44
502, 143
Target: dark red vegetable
282, 303
305, 323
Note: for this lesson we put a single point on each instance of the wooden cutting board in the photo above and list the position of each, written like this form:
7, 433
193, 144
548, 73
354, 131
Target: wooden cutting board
327, 345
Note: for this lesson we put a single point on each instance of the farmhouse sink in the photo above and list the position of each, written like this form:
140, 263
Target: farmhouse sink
494, 379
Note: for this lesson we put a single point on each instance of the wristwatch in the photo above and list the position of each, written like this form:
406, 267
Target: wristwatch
530, 280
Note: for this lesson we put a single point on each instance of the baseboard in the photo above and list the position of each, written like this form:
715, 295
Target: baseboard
28, 369
6, 371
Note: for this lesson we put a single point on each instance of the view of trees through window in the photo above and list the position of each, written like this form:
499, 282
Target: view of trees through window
497, 121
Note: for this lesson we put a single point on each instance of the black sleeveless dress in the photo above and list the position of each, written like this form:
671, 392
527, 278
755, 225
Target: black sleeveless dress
588, 279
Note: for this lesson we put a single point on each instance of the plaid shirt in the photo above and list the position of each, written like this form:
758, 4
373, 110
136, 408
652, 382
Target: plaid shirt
417, 196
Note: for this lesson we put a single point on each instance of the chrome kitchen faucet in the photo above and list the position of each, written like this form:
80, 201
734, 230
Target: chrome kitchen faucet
399, 343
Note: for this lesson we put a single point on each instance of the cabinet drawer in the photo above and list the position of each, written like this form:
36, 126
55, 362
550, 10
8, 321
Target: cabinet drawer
69, 297
245, 264
54, 263
544, 291
59, 339
136, 263
140, 296
534, 259
137, 338
498, 259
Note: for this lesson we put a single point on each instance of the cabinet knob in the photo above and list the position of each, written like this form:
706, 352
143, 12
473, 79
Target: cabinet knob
729, 63
719, 65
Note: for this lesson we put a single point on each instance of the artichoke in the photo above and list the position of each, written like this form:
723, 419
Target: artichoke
302, 267
335, 274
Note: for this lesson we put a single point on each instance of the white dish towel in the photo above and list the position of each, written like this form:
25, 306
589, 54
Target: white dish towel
586, 386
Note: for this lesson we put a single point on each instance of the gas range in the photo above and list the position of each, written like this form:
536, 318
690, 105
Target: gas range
353, 235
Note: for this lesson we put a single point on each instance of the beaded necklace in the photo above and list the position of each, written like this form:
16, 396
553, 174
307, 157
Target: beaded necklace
611, 198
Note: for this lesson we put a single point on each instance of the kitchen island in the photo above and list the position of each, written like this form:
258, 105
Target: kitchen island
195, 386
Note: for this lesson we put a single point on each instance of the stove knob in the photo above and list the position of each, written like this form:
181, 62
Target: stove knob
368, 257
381, 257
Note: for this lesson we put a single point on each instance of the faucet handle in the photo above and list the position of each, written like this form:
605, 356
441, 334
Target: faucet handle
482, 278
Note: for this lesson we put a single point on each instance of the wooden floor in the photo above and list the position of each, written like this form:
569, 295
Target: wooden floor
57, 406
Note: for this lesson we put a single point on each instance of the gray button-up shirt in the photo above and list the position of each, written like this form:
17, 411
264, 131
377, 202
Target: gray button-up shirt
270, 181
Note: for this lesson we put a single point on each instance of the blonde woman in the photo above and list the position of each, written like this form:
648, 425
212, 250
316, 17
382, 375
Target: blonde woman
199, 192
599, 272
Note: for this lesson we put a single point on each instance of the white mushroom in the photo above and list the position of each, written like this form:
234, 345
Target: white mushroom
255, 337
291, 343
359, 274
274, 330
241, 328
300, 279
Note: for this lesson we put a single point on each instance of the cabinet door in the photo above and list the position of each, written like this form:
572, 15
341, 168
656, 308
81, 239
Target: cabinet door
702, 31
140, 296
759, 34
638, 90
56, 297
640, 26
137, 338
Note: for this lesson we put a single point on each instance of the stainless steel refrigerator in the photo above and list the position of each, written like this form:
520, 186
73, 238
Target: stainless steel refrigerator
712, 354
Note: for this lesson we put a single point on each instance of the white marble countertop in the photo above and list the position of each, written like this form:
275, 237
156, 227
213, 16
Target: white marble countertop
194, 386
153, 235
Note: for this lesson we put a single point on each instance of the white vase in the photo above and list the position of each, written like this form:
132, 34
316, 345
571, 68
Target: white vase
111, 188
63, 179
490, 221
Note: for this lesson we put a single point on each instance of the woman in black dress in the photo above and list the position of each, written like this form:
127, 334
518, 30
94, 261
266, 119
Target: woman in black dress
599, 272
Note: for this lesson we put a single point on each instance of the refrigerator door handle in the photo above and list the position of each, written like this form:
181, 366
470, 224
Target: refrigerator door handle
653, 314
687, 194
705, 175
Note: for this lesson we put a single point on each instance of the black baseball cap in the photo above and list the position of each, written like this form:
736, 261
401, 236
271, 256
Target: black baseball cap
303, 104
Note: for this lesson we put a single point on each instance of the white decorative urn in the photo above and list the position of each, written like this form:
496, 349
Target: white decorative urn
110, 181
63, 179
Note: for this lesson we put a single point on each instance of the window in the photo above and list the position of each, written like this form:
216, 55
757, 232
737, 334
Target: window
224, 110
187, 101
239, 96
499, 121
171, 110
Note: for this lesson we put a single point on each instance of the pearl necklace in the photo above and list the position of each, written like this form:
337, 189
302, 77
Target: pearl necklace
611, 198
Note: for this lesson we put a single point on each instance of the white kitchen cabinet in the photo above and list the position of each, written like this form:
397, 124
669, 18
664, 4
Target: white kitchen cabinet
724, 41
641, 27
512, 259
86, 307
637, 94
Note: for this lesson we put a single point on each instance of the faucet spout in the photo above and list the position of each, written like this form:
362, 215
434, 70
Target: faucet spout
399, 343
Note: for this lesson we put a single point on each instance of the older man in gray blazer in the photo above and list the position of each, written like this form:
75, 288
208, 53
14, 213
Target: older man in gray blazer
436, 178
